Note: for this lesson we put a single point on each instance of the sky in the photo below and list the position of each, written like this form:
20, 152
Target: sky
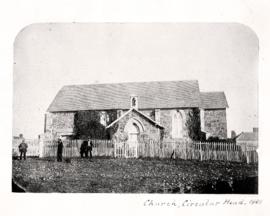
222, 57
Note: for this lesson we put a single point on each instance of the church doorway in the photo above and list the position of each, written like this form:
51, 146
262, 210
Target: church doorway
133, 129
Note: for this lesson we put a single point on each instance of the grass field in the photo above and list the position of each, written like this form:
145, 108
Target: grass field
104, 175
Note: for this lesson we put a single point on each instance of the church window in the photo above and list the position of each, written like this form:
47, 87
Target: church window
177, 125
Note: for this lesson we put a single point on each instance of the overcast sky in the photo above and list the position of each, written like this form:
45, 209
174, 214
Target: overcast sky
222, 57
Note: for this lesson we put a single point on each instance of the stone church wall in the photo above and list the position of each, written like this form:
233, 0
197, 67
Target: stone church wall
80, 124
215, 123
59, 123
93, 124
83, 124
166, 122
150, 131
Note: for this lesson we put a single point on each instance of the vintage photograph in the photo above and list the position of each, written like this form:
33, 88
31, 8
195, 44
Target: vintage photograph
135, 108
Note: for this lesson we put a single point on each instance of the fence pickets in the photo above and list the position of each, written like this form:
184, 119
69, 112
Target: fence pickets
147, 149
32, 150
72, 148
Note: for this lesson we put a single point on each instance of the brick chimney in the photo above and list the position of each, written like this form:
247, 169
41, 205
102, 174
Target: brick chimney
233, 134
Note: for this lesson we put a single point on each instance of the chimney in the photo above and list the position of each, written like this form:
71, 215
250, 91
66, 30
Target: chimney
255, 130
157, 116
233, 134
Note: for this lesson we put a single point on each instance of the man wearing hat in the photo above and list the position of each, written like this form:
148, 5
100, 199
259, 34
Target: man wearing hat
59, 150
23, 149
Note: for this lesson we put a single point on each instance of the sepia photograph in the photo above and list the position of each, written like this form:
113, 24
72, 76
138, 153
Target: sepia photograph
160, 108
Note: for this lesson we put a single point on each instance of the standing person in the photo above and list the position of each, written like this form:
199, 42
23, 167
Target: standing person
60, 147
23, 149
87, 143
90, 148
83, 149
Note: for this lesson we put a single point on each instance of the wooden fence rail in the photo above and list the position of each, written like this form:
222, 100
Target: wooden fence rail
193, 151
72, 148
32, 150
150, 148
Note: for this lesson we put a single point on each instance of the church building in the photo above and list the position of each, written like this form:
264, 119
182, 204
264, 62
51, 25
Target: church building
136, 111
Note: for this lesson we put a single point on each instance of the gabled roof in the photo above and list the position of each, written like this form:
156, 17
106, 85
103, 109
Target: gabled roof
248, 136
137, 111
213, 100
166, 94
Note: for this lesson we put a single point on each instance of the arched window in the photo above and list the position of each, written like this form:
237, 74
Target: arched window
177, 125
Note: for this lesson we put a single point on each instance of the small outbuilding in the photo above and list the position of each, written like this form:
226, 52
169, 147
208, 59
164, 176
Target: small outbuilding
248, 140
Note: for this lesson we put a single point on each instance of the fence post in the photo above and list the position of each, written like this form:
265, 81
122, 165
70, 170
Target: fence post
215, 151
125, 149
76, 147
247, 156
137, 146
200, 150
41, 149
174, 150
227, 152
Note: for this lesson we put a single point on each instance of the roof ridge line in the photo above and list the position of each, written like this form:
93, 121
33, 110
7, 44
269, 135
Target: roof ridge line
131, 109
212, 91
155, 81
157, 124
116, 120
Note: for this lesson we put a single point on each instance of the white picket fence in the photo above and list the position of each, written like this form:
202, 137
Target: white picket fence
187, 151
147, 149
32, 150
126, 150
72, 148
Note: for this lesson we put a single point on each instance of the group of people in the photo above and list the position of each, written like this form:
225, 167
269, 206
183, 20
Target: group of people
86, 147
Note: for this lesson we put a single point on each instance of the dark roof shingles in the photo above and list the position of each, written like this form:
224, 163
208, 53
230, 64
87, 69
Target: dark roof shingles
248, 136
166, 94
213, 100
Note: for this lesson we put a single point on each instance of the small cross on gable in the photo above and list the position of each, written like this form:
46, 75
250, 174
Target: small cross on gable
134, 101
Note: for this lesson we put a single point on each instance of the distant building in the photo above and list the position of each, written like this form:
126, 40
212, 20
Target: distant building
248, 140
18, 137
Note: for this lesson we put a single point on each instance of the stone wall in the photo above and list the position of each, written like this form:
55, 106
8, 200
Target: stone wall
215, 123
93, 124
166, 122
80, 124
150, 131
59, 123
150, 113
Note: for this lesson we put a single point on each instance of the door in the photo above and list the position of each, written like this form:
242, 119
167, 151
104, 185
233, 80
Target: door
132, 143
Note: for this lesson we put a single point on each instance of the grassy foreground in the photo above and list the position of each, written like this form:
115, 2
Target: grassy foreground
128, 175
